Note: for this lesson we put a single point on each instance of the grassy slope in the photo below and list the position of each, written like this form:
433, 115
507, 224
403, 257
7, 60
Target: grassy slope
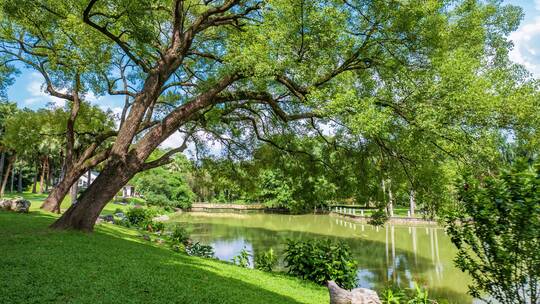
113, 265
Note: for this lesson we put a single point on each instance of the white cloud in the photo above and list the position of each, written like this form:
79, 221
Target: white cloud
175, 140
37, 93
37, 96
527, 47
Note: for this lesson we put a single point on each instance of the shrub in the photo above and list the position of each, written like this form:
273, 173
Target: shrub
122, 222
321, 261
266, 261
497, 231
179, 248
391, 296
378, 217
200, 250
242, 259
179, 235
416, 295
139, 216
157, 199
152, 226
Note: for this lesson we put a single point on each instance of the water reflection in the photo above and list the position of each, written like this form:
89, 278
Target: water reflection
393, 254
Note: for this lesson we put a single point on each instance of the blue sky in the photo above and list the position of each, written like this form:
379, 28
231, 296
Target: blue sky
527, 37
27, 90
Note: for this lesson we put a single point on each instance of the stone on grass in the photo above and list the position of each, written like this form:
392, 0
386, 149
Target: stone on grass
5, 205
108, 218
17, 205
339, 295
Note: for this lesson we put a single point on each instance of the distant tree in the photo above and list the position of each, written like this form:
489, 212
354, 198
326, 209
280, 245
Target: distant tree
166, 186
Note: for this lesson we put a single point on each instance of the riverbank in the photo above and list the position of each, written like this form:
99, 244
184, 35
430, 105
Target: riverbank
399, 220
115, 265
199, 207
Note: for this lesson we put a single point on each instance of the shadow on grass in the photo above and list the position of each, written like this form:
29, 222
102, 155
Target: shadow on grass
40, 265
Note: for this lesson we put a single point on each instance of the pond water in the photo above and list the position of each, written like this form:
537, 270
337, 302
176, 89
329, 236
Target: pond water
403, 254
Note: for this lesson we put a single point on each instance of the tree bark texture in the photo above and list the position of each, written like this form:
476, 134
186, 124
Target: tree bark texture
6, 176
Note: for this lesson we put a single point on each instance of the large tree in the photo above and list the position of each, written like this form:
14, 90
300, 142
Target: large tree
247, 65
70, 63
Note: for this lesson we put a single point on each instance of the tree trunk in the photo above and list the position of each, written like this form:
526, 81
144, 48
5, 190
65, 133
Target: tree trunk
88, 179
58, 193
390, 206
83, 215
42, 176
48, 179
124, 163
412, 201
4, 181
12, 179
2, 161
19, 181
34, 186
74, 191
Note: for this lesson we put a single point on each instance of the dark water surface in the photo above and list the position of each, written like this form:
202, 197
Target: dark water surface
395, 253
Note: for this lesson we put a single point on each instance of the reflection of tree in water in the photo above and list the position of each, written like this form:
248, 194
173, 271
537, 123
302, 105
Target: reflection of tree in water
381, 261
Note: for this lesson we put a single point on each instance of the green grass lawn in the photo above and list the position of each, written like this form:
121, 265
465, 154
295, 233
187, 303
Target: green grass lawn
114, 265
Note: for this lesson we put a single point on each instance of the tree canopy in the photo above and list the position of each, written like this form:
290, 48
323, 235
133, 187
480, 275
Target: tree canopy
412, 82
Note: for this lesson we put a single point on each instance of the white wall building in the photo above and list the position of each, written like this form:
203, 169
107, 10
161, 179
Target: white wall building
127, 190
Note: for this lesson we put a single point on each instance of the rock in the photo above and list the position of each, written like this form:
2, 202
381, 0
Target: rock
17, 204
161, 218
20, 205
146, 237
120, 215
108, 218
5, 205
339, 295
160, 241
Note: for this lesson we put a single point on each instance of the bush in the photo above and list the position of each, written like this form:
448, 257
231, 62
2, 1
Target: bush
179, 235
266, 261
321, 261
139, 216
378, 218
152, 226
242, 259
497, 231
122, 222
200, 250
416, 295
